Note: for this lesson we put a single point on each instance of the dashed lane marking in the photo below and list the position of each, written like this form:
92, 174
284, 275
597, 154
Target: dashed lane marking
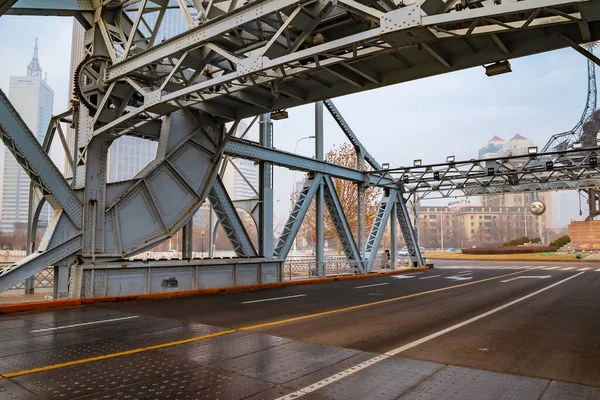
350, 371
84, 324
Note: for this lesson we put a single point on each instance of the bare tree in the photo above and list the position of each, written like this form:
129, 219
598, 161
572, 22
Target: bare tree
348, 195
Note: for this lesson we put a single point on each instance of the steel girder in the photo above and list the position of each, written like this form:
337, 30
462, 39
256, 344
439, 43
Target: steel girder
336, 211
271, 54
565, 140
230, 220
254, 151
290, 230
358, 146
386, 206
29, 153
408, 233
562, 170
246, 62
43, 7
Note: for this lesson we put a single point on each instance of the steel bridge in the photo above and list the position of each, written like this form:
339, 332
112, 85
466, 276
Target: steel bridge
240, 60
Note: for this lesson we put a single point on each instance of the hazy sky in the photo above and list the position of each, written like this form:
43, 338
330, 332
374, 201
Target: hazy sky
451, 114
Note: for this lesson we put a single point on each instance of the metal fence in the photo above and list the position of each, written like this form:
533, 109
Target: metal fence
306, 266
43, 279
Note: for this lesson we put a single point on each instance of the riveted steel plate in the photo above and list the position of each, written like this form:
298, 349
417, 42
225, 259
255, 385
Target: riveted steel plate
37, 343
287, 362
225, 347
23, 332
20, 362
564, 390
464, 383
103, 375
10, 323
278, 391
131, 327
174, 334
204, 383
12, 391
383, 380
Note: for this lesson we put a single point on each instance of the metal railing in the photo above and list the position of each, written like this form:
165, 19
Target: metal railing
300, 267
43, 279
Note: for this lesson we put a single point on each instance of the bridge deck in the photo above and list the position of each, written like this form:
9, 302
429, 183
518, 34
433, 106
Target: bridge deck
278, 343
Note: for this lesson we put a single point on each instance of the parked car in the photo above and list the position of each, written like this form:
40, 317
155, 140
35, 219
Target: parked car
451, 250
404, 251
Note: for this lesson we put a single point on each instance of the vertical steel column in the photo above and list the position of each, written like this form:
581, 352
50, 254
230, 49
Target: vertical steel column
187, 238
95, 192
416, 218
265, 176
212, 231
320, 196
393, 237
360, 226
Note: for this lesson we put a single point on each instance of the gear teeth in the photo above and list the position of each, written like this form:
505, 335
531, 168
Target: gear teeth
77, 92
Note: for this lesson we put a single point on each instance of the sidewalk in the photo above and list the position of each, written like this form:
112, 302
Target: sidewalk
19, 296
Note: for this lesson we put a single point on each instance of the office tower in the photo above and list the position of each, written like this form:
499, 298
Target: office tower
34, 101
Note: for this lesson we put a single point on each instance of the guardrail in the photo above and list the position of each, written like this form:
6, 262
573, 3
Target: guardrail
306, 266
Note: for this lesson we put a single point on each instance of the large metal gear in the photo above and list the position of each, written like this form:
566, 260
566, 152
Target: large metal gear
88, 85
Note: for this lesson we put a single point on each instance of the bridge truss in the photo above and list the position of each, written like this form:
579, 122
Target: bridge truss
239, 60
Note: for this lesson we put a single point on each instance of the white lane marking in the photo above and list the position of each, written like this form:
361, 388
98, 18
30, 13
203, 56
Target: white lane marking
377, 284
567, 269
598, 270
334, 378
584, 269
465, 272
476, 318
403, 276
352, 370
429, 277
460, 278
273, 299
83, 324
527, 277
549, 268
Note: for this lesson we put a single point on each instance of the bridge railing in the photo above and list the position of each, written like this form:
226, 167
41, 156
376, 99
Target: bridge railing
301, 267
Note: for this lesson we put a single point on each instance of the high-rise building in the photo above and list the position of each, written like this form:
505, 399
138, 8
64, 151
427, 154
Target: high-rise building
517, 146
34, 101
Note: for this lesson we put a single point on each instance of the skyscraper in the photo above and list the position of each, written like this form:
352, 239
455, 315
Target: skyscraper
34, 100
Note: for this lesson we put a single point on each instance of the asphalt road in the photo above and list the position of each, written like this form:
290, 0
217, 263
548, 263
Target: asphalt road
534, 320
552, 335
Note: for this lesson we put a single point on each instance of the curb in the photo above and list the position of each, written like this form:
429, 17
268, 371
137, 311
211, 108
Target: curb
45, 305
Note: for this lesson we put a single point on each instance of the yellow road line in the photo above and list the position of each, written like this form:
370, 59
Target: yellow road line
246, 328
375, 303
113, 355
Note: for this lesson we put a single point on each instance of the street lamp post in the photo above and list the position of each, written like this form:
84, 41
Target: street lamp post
202, 242
294, 183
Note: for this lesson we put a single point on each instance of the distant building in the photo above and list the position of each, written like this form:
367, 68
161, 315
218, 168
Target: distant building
516, 146
492, 148
465, 225
34, 100
491, 219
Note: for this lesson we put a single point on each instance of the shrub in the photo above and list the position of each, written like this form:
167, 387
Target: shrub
508, 250
536, 240
561, 241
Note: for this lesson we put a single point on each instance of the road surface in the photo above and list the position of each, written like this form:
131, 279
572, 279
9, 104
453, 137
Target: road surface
460, 330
